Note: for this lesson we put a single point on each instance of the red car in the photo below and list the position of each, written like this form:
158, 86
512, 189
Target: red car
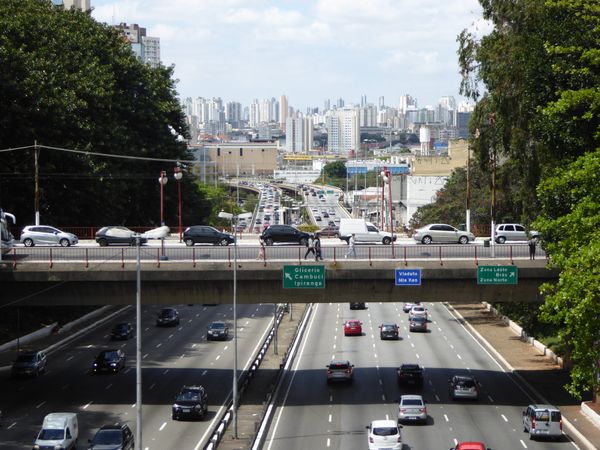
353, 328
470, 446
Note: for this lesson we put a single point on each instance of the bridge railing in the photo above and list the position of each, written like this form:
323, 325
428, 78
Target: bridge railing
404, 254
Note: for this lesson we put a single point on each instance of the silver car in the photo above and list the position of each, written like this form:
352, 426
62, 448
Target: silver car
442, 233
411, 408
464, 387
46, 235
513, 232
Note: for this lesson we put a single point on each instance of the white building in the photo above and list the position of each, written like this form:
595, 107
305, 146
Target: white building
283, 111
151, 50
298, 135
343, 131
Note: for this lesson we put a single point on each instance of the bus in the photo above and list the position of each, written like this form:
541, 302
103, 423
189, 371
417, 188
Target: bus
6, 241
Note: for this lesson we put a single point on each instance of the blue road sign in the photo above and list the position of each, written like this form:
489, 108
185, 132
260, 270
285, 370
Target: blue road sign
408, 277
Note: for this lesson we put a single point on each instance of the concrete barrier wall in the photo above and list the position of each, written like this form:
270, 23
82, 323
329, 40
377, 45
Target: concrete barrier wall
519, 330
42, 332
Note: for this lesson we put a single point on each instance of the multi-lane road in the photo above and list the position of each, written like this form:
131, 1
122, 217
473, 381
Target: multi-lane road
172, 357
313, 414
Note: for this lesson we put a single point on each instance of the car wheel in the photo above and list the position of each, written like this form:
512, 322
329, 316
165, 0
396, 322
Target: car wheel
303, 242
463, 240
269, 241
224, 242
64, 242
387, 241
102, 242
501, 240
426, 240
189, 242
28, 242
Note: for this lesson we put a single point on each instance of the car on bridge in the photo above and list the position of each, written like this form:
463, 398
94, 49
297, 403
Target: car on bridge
203, 234
191, 402
46, 235
441, 233
353, 328
117, 236
513, 232
463, 387
284, 234
358, 305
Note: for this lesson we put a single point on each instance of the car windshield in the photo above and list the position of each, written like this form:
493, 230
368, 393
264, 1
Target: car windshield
338, 366
419, 319
189, 396
217, 325
385, 431
409, 367
121, 327
418, 309
411, 402
108, 437
51, 435
167, 313
109, 356
388, 327
546, 415
25, 358
465, 383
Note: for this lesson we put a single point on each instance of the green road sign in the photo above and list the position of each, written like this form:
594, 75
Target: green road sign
303, 277
497, 275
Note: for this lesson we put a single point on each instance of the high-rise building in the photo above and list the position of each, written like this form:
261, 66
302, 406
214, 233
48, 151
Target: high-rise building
283, 112
151, 50
298, 135
381, 102
83, 5
233, 114
146, 48
343, 131
326, 106
368, 115
340, 103
363, 100
406, 103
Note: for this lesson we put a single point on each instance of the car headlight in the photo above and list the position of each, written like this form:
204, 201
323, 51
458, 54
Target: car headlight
113, 364
197, 407
95, 364
176, 406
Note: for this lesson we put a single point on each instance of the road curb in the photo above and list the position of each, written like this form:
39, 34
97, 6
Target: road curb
567, 423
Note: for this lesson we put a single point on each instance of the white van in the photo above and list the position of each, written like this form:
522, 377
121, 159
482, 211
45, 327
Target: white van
542, 421
363, 232
59, 430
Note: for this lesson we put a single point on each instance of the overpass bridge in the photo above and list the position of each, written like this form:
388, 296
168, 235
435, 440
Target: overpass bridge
102, 276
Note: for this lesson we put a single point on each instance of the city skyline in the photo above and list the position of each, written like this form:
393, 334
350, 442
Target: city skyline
310, 51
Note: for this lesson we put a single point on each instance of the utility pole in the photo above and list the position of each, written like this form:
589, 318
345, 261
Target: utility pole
37, 185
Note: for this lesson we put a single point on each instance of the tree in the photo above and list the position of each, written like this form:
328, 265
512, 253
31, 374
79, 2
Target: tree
569, 225
67, 81
336, 169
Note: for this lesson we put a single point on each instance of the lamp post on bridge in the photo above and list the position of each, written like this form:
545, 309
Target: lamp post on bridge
162, 180
178, 175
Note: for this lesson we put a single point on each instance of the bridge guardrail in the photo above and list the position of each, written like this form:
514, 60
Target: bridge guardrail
404, 254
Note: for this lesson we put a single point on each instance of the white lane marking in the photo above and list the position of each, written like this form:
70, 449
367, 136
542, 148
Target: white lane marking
162, 427
69, 358
11, 425
152, 386
522, 443
504, 417
128, 370
166, 371
330, 417
204, 373
41, 404
217, 358
452, 346
334, 346
242, 329
86, 406
133, 406
439, 329
88, 346
331, 398
418, 357
182, 355
458, 356
146, 329
328, 442
190, 321
159, 344
247, 322
170, 336
383, 398
373, 345
108, 386
145, 355
387, 417
491, 399
446, 418
226, 349
375, 355
194, 345
437, 398
412, 345
180, 328
380, 382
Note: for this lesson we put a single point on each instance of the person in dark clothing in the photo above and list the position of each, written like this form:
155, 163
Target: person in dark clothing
532, 246
317, 244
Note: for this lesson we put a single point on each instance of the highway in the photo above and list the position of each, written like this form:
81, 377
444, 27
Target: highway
312, 414
172, 357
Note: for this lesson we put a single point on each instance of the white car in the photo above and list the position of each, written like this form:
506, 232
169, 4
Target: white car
384, 434
417, 311
411, 408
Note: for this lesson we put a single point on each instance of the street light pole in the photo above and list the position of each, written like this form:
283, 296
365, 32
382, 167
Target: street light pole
138, 346
178, 174
162, 180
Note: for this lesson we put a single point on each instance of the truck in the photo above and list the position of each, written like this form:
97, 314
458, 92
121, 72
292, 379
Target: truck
364, 232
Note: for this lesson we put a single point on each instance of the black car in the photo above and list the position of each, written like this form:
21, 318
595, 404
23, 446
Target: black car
167, 317
109, 361
123, 330
217, 330
410, 374
191, 402
284, 233
388, 331
201, 234
29, 364
117, 236
113, 437
358, 305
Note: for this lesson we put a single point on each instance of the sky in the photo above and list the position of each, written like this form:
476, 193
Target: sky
308, 50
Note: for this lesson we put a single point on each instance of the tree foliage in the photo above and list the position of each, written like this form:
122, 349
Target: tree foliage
537, 76
67, 81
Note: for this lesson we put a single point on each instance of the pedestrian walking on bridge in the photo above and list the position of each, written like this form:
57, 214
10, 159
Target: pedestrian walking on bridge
532, 247
351, 247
